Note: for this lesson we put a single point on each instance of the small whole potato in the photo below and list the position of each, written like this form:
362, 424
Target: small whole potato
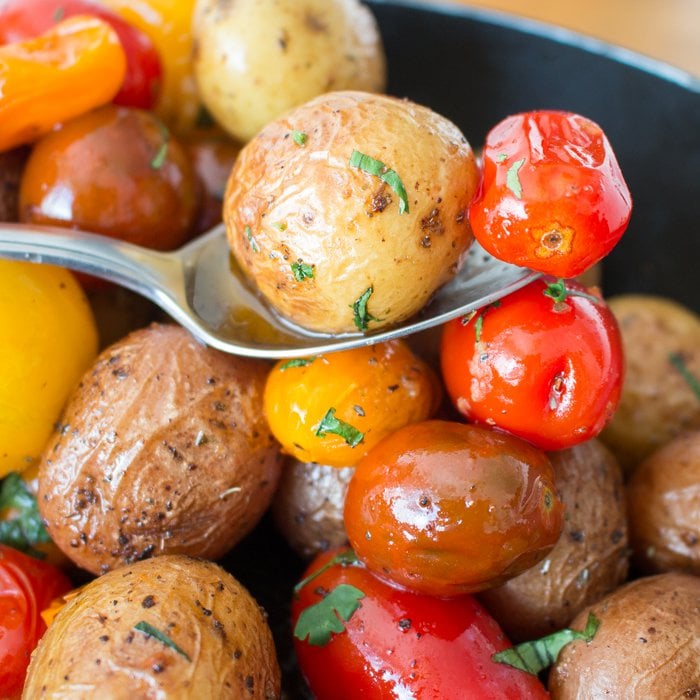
171, 627
255, 59
647, 645
590, 558
661, 340
163, 448
349, 212
663, 497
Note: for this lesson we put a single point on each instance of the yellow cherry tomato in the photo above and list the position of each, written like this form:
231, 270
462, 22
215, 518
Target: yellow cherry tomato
169, 25
47, 340
333, 408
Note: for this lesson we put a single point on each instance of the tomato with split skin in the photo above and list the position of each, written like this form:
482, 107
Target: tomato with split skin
544, 363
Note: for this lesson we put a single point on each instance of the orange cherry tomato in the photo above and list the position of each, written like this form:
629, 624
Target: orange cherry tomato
76, 66
332, 409
446, 508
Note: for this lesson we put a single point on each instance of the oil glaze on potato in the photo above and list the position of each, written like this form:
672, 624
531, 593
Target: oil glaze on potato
162, 449
325, 241
647, 646
255, 59
589, 560
93, 648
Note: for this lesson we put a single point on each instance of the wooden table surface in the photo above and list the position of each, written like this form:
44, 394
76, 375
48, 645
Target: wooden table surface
668, 30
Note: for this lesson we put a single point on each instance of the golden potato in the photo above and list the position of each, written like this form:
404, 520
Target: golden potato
162, 449
647, 645
171, 627
255, 59
589, 560
663, 496
661, 340
333, 247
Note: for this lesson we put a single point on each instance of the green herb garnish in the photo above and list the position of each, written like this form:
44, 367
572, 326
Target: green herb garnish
533, 657
676, 359
318, 622
58, 14
361, 316
25, 529
150, 631
297, 362
501, 157
251, 240
344, 558
162, 153
385, 174
512, 179
299, 137
332, 425
302, 271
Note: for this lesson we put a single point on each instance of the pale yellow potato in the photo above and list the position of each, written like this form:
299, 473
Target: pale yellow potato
255, 59
216, 642
367, 264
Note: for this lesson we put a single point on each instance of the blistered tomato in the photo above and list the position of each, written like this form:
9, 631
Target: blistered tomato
48, 338
331, 409
445, 508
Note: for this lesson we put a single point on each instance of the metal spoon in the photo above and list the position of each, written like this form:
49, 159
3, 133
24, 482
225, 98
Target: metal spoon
200, 287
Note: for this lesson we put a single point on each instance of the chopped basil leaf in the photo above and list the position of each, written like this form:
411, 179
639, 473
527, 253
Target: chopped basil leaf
251, 240
299, 137
281, 225
25, 529
533, 657
302, 271
676, 359
512, 179
159, 158
478, 327
318, 622
58, 14
344, 558
151, 631
361, 316
385, 174
298, 362
332, 425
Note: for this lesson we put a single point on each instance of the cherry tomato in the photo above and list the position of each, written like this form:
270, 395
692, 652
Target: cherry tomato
115, 171
74, 67
548, 371
399, 644
27, 586
552, 196
445, 508
25, 19
331, 409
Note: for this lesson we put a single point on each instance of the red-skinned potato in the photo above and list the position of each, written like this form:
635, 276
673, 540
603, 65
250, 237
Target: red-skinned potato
332, 246
162, 449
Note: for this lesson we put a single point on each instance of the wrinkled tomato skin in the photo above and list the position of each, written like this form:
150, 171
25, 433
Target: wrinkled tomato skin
25, 19
444, 508
552, 195
550, 373
27, 586
399, 644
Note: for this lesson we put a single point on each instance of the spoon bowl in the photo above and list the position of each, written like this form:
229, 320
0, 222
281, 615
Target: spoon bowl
201, 287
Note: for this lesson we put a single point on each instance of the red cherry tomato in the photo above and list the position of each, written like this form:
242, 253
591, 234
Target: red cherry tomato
545, 370
27, 586
398, 644
25, 19
552, 196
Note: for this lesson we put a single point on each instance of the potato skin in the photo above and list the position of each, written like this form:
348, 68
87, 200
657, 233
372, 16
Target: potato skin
255, 59
663, 497
657, 403
162, 449
308, 506
647, 645
92, 648
589, 560
288, 204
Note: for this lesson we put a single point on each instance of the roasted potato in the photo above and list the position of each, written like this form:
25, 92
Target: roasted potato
308, 506
332, 246
255, 59
647, 645
661, 339
589, 560
171, 627
162, 449
663, 496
